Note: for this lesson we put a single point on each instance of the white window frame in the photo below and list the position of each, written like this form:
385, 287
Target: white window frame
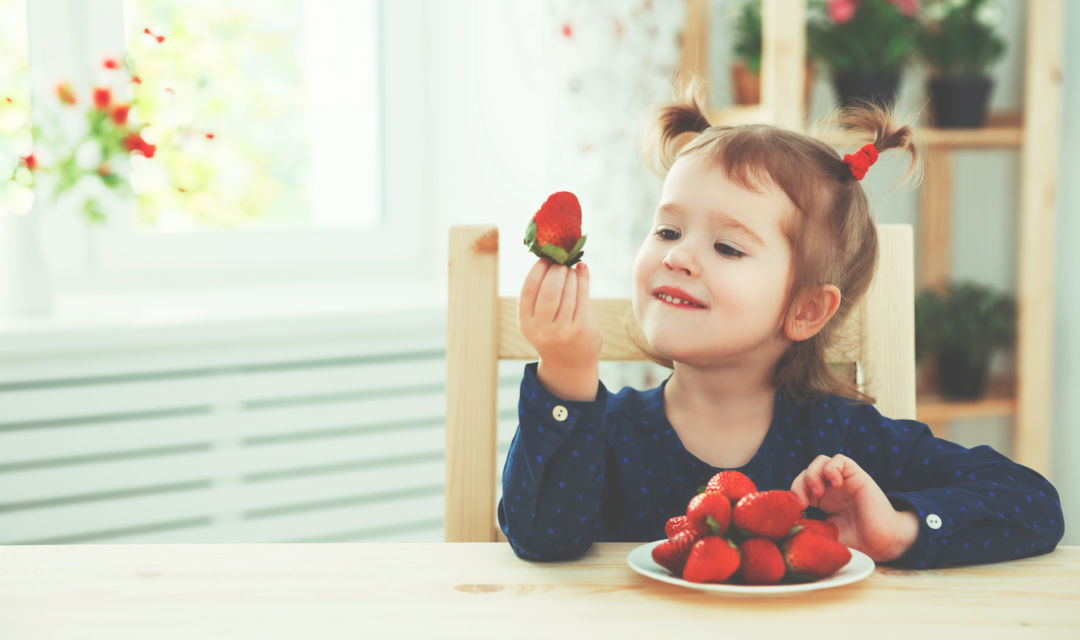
69, 38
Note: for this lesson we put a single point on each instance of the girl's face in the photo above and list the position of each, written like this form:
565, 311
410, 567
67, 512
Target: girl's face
710, 280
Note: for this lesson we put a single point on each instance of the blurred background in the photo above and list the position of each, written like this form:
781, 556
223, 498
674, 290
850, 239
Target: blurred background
223, 233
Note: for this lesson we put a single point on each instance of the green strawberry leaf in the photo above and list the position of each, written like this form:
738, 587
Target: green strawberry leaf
557, 254
530, 234
714, 525
578, 246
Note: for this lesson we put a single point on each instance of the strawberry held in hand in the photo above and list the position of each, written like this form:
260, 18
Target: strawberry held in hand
555, 230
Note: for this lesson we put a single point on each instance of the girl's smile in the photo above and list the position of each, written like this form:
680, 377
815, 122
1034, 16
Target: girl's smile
676, 297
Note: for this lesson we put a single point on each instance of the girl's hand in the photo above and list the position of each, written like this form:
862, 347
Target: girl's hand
856, 504
554, 314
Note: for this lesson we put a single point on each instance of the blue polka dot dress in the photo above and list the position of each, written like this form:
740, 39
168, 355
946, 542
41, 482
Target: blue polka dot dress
615, 470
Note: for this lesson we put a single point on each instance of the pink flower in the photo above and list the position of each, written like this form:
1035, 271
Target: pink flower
840, 11
906, 7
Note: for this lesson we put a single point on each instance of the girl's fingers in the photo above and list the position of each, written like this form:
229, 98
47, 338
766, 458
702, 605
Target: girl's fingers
582, 306
798, 487
814, 484
550, 295
565, 314
527, 299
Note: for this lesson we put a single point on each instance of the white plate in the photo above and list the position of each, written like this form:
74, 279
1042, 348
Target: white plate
859, 567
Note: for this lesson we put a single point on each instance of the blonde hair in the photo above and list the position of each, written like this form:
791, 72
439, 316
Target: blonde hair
833, 238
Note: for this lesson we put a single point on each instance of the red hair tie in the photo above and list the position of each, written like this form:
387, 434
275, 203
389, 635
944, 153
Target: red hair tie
861, 160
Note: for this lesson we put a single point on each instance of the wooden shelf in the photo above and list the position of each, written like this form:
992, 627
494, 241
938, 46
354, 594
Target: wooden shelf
1002, 131
984, 138
1000, 400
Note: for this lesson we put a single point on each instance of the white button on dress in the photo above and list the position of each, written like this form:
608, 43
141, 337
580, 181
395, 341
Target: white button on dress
559, 413
933, 521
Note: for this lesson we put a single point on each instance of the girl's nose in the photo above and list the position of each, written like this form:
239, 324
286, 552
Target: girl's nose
680, 258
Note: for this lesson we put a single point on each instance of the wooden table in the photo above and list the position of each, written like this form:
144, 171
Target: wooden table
482, 590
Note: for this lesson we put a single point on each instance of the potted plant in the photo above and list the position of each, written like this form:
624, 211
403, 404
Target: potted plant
960, 328
864, 44
746, 70
959, 42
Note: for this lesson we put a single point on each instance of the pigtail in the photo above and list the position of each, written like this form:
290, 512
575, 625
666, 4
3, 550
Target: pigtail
675, 124
880, 123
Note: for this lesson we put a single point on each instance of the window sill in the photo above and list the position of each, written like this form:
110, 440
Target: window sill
109, 321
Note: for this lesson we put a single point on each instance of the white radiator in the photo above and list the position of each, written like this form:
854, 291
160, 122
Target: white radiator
321, 439
300, 431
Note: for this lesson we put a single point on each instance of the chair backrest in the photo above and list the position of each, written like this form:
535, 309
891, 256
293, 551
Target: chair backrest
878, 339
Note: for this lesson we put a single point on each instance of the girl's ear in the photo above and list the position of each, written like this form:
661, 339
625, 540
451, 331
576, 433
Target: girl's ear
812, 311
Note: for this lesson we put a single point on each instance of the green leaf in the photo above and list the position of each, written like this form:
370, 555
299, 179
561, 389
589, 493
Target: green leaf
530, 234
578, 246
558, 254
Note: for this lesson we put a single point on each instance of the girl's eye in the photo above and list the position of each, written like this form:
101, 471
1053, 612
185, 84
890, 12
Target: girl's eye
667, 234
728, 250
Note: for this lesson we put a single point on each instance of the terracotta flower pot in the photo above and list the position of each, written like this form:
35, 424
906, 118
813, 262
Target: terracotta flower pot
747, 85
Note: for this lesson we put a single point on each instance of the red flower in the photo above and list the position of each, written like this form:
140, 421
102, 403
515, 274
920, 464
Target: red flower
841, 11
65, 94
110, 63
133, 142
102, 98
30, 161
209, 136
120, 113
136, 79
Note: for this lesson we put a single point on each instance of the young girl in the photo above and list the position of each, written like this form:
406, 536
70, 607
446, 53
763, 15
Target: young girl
761, 245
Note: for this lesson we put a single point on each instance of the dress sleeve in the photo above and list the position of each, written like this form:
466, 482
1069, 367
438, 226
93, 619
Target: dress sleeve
974, 505
553, 480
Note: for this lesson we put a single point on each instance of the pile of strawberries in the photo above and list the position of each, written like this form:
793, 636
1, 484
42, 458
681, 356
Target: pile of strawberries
734, 533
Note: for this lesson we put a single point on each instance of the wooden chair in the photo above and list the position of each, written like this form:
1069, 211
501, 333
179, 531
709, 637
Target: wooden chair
482, 329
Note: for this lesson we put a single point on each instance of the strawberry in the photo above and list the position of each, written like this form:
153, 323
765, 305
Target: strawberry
711, 559
820, 527
710, 511
679, 523
809, 556
770, 514
732, 484
762, 562
555, 230
671, 553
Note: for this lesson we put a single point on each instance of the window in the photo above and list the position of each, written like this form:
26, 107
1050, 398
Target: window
276, 153
15, 141
265, 113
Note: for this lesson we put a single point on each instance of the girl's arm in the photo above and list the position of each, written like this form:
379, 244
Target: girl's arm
972, 505
553, 481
